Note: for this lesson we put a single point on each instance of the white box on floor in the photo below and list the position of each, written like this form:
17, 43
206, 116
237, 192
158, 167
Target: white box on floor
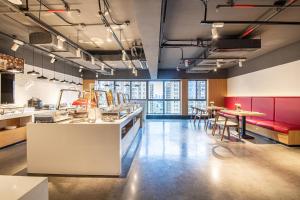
23, 188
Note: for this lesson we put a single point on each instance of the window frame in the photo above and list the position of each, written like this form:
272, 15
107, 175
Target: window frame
164, 97
197, 99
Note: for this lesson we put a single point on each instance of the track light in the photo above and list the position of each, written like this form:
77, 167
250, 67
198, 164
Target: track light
102, 67
109, 35
52, 60
215, 69
134, 71
186, 63
112, 72
177, 69
80, 70
60, 42
16, 2
123, 55
93, 60
219, 63
16, 45
130, 65
214, 33
241, 62
78, 53
218, 25
97, 75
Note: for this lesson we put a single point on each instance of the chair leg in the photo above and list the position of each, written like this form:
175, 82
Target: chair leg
228, 131
223, 133
195, 118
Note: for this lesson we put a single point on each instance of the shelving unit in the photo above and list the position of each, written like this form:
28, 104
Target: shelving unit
8, 137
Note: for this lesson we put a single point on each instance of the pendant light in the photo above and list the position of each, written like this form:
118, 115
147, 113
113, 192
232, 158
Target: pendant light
42, 77
64, 81
33, 72
53, 79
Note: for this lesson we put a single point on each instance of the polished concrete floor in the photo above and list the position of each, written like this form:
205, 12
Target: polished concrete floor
178, 160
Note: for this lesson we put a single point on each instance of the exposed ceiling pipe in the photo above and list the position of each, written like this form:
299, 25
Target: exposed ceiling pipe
51, 30
164, 4
104, 20
250, 29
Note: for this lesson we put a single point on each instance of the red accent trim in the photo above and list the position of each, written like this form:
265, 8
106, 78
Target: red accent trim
247, 32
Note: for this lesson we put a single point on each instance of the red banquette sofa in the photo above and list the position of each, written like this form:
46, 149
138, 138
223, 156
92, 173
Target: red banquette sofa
282, 116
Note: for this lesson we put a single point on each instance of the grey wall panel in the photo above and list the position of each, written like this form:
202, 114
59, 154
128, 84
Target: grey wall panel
281, 56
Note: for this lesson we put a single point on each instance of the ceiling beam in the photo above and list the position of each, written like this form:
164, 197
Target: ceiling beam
148, 17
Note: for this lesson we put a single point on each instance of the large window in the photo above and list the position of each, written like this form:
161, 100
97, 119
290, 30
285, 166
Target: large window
123, 87
197, 94
164, 97
138, 90
105, 85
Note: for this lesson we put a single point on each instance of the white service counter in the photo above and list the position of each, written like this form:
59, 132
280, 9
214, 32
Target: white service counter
80, 148
23, 188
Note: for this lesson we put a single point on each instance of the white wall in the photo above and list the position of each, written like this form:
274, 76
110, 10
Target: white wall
27, 86
281, 80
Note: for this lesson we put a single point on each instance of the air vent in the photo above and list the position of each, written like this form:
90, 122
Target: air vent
229, 45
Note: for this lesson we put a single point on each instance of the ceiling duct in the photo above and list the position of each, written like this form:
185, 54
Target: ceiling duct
229, 45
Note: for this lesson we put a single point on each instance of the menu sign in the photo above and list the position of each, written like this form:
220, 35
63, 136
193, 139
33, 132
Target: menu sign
11, 63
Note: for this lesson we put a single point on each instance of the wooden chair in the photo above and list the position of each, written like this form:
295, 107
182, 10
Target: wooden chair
226, 124
201, 114
212, 119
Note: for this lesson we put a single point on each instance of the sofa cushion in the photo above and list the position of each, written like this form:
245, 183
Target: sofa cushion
244, 101
278, 126
264, 105
252, 121
287, 109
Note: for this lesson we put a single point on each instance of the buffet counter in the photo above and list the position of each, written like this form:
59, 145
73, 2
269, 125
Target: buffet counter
81, 148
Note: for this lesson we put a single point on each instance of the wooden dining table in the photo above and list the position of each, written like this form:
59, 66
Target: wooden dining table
243, 114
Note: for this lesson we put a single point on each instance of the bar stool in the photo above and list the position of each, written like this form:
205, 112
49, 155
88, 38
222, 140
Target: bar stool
226, 124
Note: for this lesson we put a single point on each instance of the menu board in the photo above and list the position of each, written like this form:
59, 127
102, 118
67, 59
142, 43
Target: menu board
102, 99
8, 62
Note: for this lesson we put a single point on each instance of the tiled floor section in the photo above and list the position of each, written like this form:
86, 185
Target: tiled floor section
177, 160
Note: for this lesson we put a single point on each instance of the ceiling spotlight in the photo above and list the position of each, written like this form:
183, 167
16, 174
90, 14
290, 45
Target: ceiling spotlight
177, 69
109, 35
97, 75
112, 72
215, 69
218, 64
130, 65
102, 67
80, 70
218, 25
78, 53
60, 42
93, 60
186, 63
214, 33
241, 62
16, 2
52, 60
123, 55
16, 45
134, 71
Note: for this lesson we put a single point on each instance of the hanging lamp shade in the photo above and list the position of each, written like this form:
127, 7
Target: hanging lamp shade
42, 77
